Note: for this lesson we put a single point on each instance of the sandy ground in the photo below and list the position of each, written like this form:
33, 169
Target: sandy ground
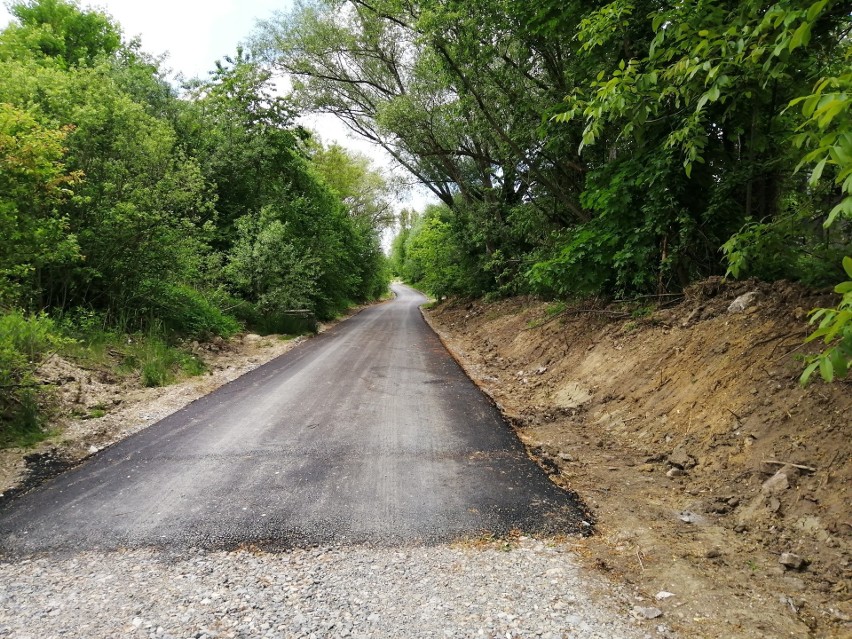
687, 433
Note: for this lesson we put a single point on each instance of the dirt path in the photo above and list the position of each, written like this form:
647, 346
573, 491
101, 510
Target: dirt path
675, 428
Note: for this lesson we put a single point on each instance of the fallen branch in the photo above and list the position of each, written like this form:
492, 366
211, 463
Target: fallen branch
810, 469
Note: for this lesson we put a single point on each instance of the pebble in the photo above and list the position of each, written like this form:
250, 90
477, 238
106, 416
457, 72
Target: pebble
791, 561
648, 612
532, 590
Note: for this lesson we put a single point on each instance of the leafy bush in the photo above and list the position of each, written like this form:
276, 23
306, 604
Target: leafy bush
188, 312
835, 330
24, 340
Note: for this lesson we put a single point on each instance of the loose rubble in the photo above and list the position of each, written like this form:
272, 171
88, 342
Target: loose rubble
532, 589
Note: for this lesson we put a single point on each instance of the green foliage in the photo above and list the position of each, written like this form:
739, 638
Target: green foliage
792, 246
61, 32
33, 182
834, 328
188, 312
434, 259
24, 341
827, 135
126, 208
266, 268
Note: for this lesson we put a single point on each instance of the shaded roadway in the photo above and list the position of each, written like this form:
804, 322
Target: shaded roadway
368, 433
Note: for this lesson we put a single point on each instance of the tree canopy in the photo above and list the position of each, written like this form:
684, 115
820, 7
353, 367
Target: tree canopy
619, 148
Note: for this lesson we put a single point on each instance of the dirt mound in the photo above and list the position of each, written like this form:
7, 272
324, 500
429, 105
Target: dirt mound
713, 474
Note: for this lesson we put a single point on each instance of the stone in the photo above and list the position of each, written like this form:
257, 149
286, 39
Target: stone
713, 553
681, 459
663, 595
689, 517
743, 302
675, 472
252, 338
648, 612
777, 484
791, 561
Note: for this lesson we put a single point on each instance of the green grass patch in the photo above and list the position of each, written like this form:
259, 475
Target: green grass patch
158, 363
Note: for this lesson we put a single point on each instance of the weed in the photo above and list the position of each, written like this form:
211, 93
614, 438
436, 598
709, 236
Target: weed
641, 311
555, 308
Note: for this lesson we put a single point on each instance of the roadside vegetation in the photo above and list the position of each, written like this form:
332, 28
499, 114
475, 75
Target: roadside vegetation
622, 149
136, 217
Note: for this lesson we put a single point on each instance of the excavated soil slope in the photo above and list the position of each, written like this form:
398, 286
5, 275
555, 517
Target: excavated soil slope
705, 462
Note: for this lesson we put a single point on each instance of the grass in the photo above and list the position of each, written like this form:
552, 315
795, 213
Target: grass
22, 428
158, 363
150, 356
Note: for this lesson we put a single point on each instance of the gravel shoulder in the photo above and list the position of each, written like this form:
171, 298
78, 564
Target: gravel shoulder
519, 589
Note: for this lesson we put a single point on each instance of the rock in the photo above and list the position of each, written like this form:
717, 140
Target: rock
689, 517
566, 457
93, 449
663, 594
252, 338
647, 612
791, 561
675, 472
713, 553
681, 459
743, 302
776, 484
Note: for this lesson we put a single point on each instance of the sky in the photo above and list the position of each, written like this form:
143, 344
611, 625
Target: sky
196, 33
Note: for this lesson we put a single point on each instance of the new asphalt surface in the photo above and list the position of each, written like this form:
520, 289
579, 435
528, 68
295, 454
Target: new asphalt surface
369, 433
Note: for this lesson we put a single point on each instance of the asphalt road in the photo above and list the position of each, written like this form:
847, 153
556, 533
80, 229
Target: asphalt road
368, 433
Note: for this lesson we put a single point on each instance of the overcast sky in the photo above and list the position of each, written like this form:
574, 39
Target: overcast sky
196, 33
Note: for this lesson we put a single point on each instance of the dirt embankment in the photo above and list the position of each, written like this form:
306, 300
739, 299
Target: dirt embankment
708, 467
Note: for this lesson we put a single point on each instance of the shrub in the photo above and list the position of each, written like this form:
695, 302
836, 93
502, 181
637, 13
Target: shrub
188, 312
24, 340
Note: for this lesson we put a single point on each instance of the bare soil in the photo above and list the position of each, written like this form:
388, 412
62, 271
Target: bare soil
687, 433
81, 392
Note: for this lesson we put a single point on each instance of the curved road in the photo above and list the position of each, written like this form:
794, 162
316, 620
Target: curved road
368, 433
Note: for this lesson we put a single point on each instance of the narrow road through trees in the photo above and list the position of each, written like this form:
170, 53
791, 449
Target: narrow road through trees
369, 433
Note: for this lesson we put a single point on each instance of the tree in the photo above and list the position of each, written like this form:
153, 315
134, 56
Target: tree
34, 182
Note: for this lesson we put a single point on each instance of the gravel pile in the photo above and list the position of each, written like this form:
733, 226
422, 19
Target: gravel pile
532, 590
